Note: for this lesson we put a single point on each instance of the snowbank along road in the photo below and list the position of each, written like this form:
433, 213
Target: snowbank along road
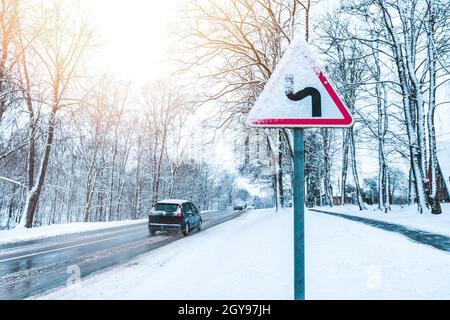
437, 241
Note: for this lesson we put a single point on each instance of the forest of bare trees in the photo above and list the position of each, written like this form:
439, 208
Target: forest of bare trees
389, 61
76, 146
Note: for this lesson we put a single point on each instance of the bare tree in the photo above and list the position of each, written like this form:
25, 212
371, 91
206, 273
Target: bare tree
8, 57
234, 46
163, 101
348, 72
59, 48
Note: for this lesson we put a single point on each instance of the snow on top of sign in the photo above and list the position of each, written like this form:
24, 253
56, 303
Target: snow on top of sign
296, 71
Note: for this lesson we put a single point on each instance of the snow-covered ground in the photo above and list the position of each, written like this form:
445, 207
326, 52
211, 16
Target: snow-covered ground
24, 234
251, 257
406, 216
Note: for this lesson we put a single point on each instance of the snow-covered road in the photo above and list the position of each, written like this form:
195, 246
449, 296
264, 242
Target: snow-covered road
251, 258
34, 266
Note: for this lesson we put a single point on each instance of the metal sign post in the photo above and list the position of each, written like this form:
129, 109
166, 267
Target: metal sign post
299, 214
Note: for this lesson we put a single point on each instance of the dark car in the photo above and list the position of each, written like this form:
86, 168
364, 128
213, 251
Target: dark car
239, 207
174, 216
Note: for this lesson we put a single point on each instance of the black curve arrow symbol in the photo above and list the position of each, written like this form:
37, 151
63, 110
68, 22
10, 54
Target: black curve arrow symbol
315, 96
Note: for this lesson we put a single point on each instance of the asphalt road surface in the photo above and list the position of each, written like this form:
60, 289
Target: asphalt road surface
437, 241
33, 267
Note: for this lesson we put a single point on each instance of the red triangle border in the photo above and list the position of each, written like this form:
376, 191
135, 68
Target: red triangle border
347, 121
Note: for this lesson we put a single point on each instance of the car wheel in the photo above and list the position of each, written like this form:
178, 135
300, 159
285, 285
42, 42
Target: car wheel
152, 232
186, 230
200, 225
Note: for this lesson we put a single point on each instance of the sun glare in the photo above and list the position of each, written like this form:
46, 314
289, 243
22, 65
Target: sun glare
133, 37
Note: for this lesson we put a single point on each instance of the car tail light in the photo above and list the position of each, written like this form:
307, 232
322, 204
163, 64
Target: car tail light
153, 208
179, 214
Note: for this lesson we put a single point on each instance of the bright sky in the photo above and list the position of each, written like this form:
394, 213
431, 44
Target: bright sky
134, 46
133, 36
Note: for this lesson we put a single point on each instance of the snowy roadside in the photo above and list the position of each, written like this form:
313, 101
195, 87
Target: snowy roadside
405, 216
251, 258
23, 234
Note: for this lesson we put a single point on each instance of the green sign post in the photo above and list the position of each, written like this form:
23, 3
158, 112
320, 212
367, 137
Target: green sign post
299, 214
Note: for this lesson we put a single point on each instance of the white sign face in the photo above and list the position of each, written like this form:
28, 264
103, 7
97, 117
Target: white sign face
299, 95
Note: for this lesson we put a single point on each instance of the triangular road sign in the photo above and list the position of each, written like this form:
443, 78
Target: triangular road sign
299, 95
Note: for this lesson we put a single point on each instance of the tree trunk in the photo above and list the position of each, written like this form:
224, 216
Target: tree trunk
158, 163
172, 181
325, 132
280, 170
411, 187
137, 194
90, 185
433, 197
307, 13
382, 123
35, 192
359, 198
111, 181
274, 150
406, 74
345, 142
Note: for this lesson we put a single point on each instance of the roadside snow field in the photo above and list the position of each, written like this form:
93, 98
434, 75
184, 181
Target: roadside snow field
251, 258
406, 216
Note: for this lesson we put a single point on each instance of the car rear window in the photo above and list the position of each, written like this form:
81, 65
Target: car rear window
166, 209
